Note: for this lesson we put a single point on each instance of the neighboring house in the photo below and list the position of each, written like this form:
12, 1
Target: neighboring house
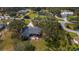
31, 32
2, 26
6, 17
12, 18
24, 11
65, 13
1, 17
18, 19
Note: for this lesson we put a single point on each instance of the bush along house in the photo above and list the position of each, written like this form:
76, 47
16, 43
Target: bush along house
31, 32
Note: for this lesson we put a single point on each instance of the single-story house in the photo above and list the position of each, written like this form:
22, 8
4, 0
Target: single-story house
22, 11
6, 17
1, 17
2, 26
31, 33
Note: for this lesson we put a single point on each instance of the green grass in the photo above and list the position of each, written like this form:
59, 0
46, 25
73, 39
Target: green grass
73, 35
40, 45
71, 17
27, 21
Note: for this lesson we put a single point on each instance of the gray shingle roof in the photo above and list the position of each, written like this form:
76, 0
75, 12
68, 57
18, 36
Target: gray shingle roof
31, 30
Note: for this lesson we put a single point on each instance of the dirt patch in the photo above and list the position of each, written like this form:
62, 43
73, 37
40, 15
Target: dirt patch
8, 44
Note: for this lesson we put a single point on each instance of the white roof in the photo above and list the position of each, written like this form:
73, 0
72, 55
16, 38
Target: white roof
67, 13
30, 24
22, 11
2, 17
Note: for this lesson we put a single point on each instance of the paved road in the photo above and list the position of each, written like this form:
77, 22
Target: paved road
66, 22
